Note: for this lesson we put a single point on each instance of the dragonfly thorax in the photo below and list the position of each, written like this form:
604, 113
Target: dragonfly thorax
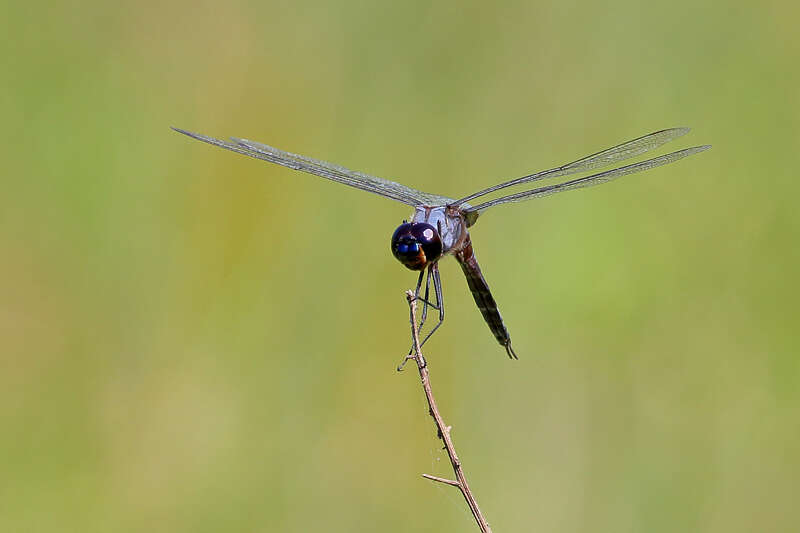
449, 223
416, 245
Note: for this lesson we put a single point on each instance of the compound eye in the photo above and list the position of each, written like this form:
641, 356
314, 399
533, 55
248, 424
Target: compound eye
408, 248
426, 234
416, 245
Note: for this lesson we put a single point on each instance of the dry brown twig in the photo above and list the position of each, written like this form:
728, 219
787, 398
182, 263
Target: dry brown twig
442, 429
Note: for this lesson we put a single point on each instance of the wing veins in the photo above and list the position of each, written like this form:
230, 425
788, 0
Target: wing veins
323, 169
615, 154
589, 181
298, 162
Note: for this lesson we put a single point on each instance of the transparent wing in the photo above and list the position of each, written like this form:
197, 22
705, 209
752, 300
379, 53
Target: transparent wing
359, 180
589, 181
607, 157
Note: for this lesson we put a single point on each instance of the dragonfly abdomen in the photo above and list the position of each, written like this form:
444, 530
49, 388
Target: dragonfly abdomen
483, 296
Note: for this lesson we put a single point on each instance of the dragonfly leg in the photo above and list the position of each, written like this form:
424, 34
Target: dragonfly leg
425, 300
419, 285
433, 273
416, 297
437, 287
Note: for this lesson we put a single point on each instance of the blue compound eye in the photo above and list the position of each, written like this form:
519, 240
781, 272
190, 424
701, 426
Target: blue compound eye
411, 247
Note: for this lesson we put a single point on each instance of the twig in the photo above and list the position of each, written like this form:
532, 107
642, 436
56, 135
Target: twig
442, 429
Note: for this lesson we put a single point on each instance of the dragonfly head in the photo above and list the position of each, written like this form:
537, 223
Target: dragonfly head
416, 245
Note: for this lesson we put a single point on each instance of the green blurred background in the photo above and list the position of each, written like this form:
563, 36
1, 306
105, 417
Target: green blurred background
182, 352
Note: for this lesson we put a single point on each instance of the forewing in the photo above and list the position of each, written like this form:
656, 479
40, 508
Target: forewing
359, 180
589, 181
615, 154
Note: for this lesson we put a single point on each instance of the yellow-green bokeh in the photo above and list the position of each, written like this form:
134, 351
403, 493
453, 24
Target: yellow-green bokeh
191, 340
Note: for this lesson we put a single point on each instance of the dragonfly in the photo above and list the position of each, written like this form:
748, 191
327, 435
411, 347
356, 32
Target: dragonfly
439, 225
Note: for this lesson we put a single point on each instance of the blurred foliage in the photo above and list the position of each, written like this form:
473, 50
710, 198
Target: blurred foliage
196, 341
